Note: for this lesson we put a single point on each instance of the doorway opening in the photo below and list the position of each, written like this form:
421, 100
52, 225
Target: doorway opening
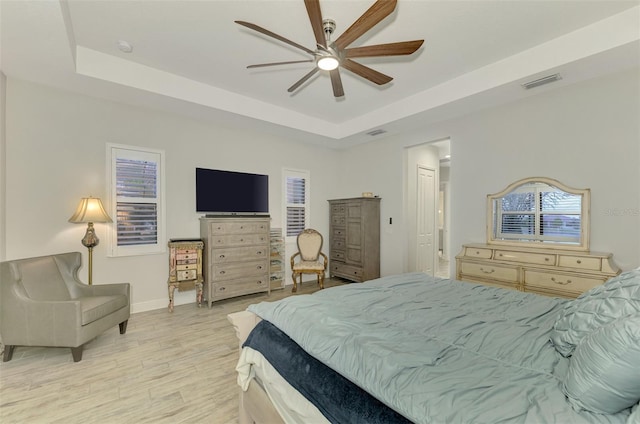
428, 207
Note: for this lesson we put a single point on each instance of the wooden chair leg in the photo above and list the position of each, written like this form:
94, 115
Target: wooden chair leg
8, 353
321, 278
76, 352
295, 283
123, 326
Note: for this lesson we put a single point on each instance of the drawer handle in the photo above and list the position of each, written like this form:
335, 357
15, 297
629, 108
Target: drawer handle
221, 256
579, 261
222, 272
562, 283
259, 282
488, 272
259, 252
222, 289
546, 259
259, 267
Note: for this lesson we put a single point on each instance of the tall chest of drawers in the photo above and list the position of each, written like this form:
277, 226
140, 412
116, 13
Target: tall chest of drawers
354, 238
552, 272
236, 258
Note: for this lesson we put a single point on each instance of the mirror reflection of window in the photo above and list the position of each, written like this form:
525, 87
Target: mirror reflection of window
535, 211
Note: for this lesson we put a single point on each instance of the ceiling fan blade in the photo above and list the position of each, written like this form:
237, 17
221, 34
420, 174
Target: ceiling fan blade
380, 10
391, 49
315, 17
302, 80
274, 35
336, 83
366, 72
262, 65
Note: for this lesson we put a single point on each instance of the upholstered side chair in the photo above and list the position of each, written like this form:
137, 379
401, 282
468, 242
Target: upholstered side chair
43, 303
312, 260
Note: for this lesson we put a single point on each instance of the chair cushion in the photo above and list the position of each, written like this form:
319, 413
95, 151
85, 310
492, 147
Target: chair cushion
96, 307
41, 279
308, 265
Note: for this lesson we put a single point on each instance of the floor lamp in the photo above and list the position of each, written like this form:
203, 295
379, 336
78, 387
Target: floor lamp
90, 210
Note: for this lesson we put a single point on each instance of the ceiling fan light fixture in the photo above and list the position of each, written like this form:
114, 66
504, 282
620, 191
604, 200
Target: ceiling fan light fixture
328, 63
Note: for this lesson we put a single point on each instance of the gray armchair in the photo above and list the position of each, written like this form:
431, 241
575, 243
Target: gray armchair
42, 303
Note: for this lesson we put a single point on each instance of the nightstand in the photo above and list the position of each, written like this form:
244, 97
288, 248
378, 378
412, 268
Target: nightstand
185, 267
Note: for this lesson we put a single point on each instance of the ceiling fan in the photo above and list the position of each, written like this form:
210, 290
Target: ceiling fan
331, 55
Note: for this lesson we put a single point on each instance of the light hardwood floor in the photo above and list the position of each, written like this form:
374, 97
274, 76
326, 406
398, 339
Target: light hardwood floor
168, 368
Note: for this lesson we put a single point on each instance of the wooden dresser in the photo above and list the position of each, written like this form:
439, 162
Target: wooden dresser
354, 238
236, 259
563, 273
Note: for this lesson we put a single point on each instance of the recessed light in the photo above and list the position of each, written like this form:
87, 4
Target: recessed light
125, 46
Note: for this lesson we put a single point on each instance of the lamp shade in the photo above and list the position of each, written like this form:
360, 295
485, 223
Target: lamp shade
90, 209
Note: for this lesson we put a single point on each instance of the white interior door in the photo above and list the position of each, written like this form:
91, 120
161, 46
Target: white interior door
426, 198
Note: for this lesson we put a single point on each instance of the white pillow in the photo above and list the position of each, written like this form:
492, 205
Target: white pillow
604, 371
618, 297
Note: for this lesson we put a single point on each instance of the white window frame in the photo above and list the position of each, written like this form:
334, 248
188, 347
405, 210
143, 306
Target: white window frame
115, 151
295, 173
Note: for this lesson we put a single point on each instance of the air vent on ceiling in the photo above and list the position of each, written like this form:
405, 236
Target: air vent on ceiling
376, 132
541, 81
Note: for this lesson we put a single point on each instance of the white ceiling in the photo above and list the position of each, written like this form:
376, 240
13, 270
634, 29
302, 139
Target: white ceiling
190, 57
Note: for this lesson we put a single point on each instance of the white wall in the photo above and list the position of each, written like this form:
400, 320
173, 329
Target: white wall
585, 135
56, 155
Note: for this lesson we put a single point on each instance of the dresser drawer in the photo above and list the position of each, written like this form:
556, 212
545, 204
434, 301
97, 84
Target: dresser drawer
181, 256
238, 227
232, 288
552, 281
490, 271
233, 254
237, 240
580, 262
337, 254
477, 252
338, 244
528, 257
187, 266
338, 233
339, 209
342, 270
185, 275
233, 270
338, 220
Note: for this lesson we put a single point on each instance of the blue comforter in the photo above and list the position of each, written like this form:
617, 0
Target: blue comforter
438, 351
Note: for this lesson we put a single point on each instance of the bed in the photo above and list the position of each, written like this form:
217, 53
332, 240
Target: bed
413, 348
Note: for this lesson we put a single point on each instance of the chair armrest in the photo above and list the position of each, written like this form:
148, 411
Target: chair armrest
26, 320
325, 260
293, 257
103, 289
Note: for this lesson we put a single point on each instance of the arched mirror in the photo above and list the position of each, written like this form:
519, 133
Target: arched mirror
539, 212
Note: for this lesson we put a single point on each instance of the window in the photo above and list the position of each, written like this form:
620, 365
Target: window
136, 200
539, 211
296, 198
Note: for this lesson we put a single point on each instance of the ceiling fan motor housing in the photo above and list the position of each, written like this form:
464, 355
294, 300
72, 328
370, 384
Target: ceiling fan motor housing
328, 25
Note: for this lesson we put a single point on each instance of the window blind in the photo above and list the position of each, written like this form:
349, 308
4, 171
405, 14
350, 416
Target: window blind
296, 209
136, 208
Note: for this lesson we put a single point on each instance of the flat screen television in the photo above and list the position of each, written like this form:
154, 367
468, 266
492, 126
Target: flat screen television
229, 192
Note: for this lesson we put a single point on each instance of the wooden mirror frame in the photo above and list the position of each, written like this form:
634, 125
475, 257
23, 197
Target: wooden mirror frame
585, 206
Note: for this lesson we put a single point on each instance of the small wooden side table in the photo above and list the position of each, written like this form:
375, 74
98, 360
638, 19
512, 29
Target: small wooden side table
185, 267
